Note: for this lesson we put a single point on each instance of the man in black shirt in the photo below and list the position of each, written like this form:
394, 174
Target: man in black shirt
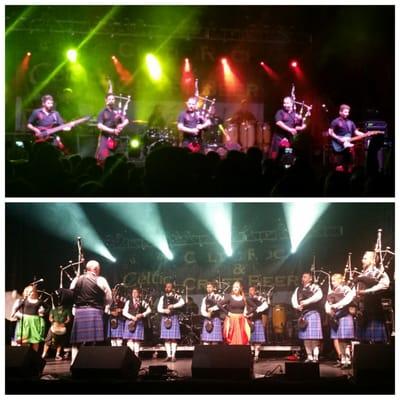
45, 118
287, 126
341, 130
110, 122
191, 123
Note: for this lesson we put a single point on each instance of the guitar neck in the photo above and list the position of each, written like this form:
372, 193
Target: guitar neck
368, 134
68, 124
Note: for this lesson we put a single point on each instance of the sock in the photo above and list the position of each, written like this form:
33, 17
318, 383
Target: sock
168, 348
74, 353
348, 354
308, 347
119, 342
131, 345
174, 346
256, 351
113, 342
136, 347
316, 353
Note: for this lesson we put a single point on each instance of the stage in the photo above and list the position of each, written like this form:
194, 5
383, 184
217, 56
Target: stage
270, 375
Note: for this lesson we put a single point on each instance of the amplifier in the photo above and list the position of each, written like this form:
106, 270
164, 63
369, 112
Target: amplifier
375, 126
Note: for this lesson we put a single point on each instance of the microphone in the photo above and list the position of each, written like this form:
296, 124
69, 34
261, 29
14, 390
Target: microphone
36, 282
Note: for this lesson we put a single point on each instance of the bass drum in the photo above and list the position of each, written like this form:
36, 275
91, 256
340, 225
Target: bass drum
279, 318
158, 145
247, 135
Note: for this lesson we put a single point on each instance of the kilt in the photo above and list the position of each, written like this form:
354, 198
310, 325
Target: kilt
258, 335
137, 335
345, 329
32, 328
216, 334
88, 325
375, 331
314, 328
174, 332
118, 332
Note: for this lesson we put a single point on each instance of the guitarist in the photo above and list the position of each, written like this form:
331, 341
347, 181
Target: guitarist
191, 123
110, 122
46, 117
342, 129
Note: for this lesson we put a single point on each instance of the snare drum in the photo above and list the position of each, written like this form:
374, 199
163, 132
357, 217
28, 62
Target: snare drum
247, 135
279, 318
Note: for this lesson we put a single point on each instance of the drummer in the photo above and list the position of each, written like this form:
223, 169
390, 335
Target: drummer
156, 119
243, 114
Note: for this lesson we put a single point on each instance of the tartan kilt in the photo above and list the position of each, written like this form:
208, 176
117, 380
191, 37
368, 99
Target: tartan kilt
345, 329
216, 334
88, 325
258, 335
118, 332
314, 328
174, 332
138, 335
375, 331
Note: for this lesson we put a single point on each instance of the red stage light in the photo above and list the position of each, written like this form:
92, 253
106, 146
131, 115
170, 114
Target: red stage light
224, 61
294, 64
262, 63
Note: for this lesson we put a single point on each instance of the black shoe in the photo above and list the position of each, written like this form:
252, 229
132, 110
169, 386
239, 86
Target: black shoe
255, 359
173, 359
346, 366
338, 364
167, 359
307, 360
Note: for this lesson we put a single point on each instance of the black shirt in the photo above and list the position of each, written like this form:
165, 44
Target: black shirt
288, 118
190, 119
343, 127
233, 306
88, 293
110, 118
40, 119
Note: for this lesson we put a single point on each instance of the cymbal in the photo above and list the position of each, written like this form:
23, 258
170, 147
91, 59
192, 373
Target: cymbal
139, 121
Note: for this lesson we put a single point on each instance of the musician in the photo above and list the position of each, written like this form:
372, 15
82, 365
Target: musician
46, 117
92, 295
340, 129
342, 322
306, 299
170, 330
29, 311
236, 327
191, 307
212, 325
287, 125
243, 114
191, 123
371, 284
135, 310
110, 122
256, 305
116, 322
156, 119
59, 317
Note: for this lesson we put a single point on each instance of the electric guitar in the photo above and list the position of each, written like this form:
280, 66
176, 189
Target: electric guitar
339, 146
46, 133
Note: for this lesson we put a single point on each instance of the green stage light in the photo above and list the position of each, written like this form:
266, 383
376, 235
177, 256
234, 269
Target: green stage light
72, 55
154, 67
217, 218
300, 218
135, 143
145, 220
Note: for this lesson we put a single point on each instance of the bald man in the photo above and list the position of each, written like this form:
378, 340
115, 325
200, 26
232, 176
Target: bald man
92, 294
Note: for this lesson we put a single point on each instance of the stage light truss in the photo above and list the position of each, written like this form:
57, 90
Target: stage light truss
266, 34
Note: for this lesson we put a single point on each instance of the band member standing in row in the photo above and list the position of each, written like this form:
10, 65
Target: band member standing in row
256, 305
110, 122
92, 295
116, 321
135, 310
46, 117
191, 123
341, 321
288, 125
372, 282
170, 330
306, 299
212, 325
342, 129
29, 311
236, 327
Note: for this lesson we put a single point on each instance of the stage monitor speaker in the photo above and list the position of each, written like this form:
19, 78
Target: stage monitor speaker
373, 362
301, 371
104, 362
222, 362
23, 362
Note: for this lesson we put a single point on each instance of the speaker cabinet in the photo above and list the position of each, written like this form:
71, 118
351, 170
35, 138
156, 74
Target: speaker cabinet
301, 371
222, 362
373, 361
104, 362
23, 362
